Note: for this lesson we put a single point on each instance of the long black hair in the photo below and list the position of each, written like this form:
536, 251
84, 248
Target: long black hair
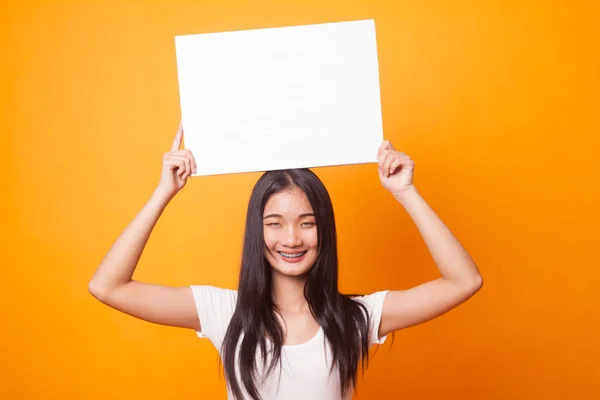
344, 321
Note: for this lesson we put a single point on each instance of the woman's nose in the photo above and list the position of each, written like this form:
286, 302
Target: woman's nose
292, 238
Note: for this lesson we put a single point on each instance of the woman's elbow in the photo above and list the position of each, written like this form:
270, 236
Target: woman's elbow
97, 290
469, 285
475, 284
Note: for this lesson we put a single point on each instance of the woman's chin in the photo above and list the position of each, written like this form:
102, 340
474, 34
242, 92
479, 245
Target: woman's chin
291, 270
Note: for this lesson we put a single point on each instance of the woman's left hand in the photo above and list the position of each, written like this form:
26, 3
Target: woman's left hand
395, 169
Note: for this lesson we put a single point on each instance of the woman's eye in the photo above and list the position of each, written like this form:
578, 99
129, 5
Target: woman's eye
274, 224
308, 224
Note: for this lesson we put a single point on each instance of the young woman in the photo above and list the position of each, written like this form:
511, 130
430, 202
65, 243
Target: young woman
287, 332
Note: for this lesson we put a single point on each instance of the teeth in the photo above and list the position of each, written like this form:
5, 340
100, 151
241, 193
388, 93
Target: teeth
288, 255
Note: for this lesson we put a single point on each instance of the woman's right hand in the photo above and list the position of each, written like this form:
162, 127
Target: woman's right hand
177, 166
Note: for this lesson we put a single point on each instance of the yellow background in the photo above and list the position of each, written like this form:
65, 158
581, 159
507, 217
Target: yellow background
498, 102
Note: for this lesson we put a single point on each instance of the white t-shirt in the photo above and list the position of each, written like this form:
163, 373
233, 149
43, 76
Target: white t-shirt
305, 367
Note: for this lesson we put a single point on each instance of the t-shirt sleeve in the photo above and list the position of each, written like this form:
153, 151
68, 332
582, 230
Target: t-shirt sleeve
374, 304
215, 307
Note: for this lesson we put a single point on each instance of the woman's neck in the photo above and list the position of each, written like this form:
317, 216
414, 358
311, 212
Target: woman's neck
288, 293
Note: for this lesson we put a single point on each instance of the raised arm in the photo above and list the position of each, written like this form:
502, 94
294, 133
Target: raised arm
460, 278
112, 282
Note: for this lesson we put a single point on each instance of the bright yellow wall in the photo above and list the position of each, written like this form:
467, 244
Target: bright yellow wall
498, 103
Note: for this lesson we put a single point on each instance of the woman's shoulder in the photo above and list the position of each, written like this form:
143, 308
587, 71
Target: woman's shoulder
371, 296
373, 301
215, 306
214, 294
373, 305
213, 288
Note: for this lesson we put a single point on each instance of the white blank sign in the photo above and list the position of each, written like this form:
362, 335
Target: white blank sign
277, 98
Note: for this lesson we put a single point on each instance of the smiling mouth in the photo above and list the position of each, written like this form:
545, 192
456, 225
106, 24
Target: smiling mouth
292, 255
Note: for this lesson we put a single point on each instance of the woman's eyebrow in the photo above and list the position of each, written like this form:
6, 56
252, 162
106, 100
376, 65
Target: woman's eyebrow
306, 215
280, 216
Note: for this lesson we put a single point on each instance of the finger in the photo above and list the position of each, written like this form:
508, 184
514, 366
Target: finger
194, 165
181, 170
386, 159
394, 165
193, 160
187, 153
385, 145
182, 167
389, 158
402, 161
381, 158
188, 166
178, 137
175, 162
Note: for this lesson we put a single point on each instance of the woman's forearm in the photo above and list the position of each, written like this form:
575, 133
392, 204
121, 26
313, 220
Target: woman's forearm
119, 264
452, 260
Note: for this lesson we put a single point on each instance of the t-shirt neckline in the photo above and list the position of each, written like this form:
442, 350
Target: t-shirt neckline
309, 341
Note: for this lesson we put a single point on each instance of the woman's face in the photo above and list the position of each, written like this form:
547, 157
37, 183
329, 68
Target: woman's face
290, 233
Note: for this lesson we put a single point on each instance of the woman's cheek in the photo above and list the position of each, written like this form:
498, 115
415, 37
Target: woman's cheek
312, 239
270, 239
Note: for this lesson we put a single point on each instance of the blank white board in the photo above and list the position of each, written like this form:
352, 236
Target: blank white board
277, 98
